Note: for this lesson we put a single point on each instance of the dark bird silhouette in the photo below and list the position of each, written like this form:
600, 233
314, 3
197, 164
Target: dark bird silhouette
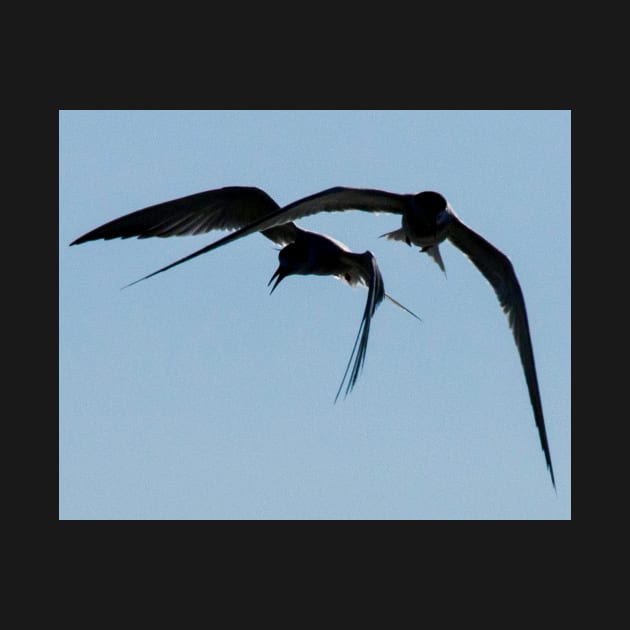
317, 254
304, 252
427, 220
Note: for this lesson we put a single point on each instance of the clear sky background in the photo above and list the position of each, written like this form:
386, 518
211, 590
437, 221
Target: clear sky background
197, 395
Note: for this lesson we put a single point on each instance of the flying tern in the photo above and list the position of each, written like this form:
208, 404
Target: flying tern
427, 221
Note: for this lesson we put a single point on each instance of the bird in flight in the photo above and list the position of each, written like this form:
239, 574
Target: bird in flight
427, 221
312, 253
304, 252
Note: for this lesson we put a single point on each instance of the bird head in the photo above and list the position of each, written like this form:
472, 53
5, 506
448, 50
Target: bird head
280, 273
431, 203
293, 260
431, 216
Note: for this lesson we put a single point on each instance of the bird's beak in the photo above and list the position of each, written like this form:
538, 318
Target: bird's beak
279, 275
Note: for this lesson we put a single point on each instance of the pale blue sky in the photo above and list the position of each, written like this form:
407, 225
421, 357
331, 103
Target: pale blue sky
196, 395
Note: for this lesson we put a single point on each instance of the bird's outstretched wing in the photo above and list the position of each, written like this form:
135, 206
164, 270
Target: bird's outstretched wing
498, 270
376, 294
335, 199
220, 209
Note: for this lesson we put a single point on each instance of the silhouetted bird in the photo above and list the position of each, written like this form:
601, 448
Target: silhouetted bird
304, 252
316, 254
427, 220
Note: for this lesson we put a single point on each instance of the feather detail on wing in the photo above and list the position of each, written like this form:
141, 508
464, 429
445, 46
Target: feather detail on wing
221, 209
498, 270
336, 199
332, 200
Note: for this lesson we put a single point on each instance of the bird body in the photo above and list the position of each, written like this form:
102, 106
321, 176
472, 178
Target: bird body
312, 253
